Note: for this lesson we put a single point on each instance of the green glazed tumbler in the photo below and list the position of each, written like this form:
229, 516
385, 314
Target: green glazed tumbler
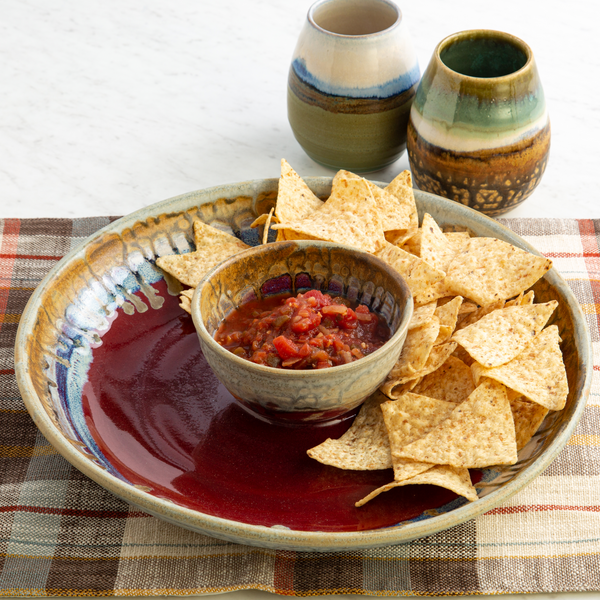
479, 131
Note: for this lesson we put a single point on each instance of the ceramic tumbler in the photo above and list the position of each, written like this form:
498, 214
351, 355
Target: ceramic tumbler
479, 131
351, 83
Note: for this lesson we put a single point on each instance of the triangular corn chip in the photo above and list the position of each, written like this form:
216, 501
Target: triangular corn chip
480, 432
503, 334
422, 314
435, 360
396, 215
457, 480
452, 382
349, 216
392, 389
419, 276
457, 238
408, 419
478, 313
417, 346
538, 372
487, 270
364, 446
401, 187
185, 300
295, 200
413, 244
528, 417
212, 247
447, 313
436, 249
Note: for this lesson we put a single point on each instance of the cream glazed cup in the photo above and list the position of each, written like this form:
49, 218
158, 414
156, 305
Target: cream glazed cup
352, 80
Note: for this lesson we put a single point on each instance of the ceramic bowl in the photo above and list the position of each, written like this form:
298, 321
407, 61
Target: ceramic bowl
479, 131
109, 283
301, 396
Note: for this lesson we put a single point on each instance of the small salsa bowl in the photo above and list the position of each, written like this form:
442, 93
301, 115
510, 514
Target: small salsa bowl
302, 396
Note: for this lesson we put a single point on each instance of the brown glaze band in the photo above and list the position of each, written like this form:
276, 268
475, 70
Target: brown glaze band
344, 104
491, 181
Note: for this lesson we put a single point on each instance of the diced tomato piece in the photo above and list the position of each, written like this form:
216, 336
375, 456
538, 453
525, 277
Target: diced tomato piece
321, 299
338, 344
307, 323
285, 348
305, 350
348, 320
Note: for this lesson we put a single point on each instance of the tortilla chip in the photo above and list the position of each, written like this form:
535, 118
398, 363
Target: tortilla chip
503, 334
451, 478
528, 417
467, 308
408, 419
422, 314
457, 238
364, 446
260, 220
538, 372
349, 216
417, 346
419, 275
487, 270
212, 247
447, 313
396, 215
435, 360
436, 249
477, 314
402, 189
295, 200
452, 382
479, 432
392, 389
185, 300
413, 244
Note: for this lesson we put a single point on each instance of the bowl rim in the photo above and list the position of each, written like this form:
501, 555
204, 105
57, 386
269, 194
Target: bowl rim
471, 34
303, 373
275, 537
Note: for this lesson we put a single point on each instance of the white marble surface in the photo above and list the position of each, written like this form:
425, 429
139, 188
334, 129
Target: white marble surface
110, 106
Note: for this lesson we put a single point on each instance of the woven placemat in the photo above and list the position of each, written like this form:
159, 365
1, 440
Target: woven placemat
63, 535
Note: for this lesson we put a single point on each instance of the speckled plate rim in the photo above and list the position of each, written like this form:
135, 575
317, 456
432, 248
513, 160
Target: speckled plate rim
279, 537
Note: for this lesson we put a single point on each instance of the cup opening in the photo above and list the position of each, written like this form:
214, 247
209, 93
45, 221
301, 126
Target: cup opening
485, 56
354, 17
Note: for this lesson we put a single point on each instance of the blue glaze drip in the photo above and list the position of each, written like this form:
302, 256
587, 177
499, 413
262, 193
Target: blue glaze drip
386, 90
88, 314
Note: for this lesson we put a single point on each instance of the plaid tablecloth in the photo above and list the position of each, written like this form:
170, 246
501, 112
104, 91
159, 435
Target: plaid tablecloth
63, 535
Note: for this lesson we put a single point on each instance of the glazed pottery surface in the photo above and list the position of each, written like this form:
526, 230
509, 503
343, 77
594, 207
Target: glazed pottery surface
479, 131
302, 396
351, 84
107, 303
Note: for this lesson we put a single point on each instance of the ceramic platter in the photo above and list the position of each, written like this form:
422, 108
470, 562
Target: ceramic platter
111, 371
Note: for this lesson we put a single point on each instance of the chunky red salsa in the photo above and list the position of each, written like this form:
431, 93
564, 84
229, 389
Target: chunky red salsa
309, 331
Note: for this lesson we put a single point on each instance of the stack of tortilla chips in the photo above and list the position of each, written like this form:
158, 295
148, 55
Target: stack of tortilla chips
479, 369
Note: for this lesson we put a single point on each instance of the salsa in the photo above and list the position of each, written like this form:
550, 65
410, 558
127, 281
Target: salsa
308, 331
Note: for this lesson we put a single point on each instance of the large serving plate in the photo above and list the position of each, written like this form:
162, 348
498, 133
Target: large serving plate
111, 372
